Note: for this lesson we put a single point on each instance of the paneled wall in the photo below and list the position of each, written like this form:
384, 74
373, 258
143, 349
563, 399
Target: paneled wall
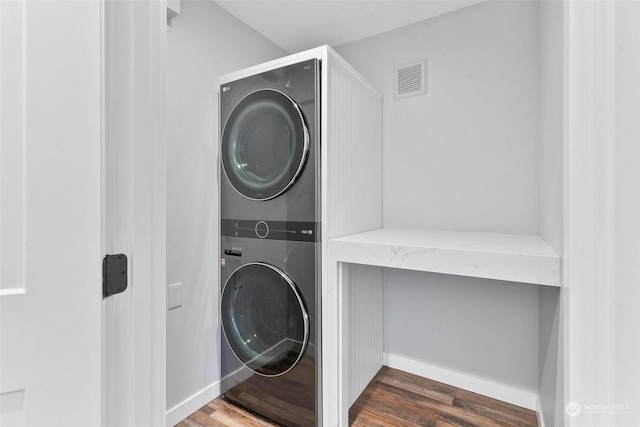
365, 322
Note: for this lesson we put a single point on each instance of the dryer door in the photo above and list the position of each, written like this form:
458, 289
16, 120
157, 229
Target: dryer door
264, 319
265, 143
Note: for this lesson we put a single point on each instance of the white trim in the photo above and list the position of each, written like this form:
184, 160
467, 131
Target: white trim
198, 400
539, 413
589, 189
134, 330
14, 291
524, 398
106, 383
192, 404
319, 53
158, 212
331, 291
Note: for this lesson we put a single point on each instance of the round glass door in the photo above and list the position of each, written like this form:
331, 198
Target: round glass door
264, 144
264, 319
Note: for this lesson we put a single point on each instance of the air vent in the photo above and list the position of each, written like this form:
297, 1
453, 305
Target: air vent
411, 79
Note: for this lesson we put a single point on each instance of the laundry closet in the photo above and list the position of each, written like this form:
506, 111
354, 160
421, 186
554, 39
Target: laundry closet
477, 156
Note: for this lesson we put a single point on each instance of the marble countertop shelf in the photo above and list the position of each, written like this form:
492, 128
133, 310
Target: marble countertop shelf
512, 257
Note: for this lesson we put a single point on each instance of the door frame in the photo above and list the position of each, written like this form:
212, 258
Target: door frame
134, 209
588, 272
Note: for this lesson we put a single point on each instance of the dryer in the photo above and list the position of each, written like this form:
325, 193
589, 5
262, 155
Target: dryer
270, 242
269, 146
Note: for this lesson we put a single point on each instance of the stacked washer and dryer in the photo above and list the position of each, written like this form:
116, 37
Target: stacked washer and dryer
273, 228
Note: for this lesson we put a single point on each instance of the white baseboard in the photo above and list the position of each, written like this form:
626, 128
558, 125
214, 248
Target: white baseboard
515, 396
539, 413
192, 404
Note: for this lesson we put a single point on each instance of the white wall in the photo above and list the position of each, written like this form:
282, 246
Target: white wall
204, 41
549, 357
463, 157
551, 22
484, 328
627, 234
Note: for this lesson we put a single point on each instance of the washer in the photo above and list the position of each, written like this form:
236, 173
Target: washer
270, 242
270, 352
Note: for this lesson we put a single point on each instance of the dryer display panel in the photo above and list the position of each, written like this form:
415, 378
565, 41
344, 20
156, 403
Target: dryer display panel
264, 144
264, 319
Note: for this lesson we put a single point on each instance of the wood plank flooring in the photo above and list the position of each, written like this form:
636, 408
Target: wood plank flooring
396, 398
393, 399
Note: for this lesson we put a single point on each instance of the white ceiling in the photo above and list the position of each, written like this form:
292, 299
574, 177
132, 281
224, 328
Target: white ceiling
296, 25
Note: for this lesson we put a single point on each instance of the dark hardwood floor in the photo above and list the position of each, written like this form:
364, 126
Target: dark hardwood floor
393, 399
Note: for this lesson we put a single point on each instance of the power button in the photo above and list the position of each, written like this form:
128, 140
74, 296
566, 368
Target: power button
262, 229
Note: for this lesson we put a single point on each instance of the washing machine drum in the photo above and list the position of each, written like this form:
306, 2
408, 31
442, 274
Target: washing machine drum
265, 143
264, 319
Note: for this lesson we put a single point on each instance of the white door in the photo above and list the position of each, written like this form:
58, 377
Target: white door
50, 213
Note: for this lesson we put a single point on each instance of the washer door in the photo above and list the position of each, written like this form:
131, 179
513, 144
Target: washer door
264, 144
264, 319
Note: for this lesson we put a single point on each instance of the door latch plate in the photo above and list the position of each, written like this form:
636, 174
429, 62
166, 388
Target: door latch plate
114, 274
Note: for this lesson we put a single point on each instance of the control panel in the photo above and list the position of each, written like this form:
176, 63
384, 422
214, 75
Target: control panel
273, 230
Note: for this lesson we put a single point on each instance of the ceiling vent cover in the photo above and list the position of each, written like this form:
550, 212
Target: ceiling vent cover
411, 79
